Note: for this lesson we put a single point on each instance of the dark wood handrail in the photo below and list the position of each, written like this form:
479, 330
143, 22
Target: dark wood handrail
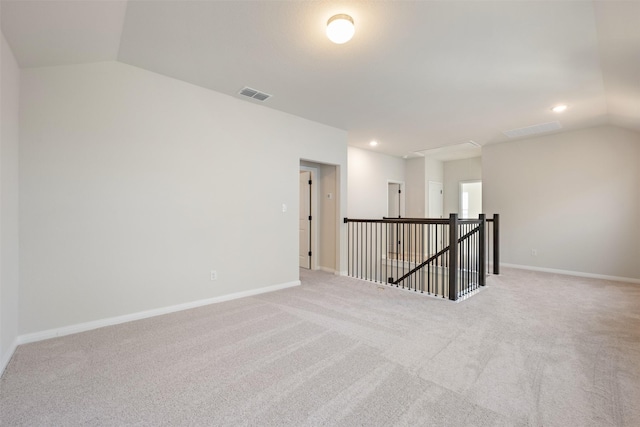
386, 220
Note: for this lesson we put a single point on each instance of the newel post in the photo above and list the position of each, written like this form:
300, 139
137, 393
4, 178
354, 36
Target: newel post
482, 253
453, 256
496, 244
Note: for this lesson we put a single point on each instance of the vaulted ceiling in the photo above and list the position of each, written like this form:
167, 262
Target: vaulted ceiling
416, 76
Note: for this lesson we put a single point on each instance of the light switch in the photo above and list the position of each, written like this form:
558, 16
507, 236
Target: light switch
284, 207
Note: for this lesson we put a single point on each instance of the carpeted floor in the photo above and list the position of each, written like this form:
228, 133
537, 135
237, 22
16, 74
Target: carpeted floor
529, 349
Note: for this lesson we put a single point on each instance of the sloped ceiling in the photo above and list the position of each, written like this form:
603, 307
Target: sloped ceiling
417, 75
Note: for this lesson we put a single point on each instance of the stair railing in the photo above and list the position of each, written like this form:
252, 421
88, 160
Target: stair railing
416, 254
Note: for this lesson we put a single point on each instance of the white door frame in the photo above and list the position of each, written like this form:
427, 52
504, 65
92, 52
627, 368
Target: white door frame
314, 214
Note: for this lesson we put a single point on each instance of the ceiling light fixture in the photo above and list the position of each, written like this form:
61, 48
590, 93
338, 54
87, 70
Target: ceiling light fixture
559, 108
373, 143
340, 28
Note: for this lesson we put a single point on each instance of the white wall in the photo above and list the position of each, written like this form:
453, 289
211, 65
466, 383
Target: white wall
571, 196
456, 171
415, 187
134, 186
369, 174
9, 131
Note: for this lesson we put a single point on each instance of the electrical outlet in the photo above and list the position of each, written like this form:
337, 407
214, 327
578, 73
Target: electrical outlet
214, 275
534, 252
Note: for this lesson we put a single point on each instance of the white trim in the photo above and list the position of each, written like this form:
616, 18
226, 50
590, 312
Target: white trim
82, 327
573, 273
327, 270
7, 356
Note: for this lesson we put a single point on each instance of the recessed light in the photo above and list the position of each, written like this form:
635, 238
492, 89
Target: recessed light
373, 143
559, 108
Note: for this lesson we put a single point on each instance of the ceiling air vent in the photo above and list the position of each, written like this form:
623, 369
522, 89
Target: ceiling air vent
255, 94
534, 129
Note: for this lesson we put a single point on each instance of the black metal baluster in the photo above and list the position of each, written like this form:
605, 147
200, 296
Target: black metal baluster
461, 246
410, 245
352, 228
397, 252
441, 261
375, 251
361, 252
445, 261
414, 237
462, 261
378, 258
386, 252
459, 267
429, 240
468, 258
471, 261
472, 268
402, 249
369, 254
373, 260
438, 261
354, 254
421, 258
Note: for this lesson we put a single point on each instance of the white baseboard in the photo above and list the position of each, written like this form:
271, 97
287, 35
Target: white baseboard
327, 270
6, 358
573, 273
82, 327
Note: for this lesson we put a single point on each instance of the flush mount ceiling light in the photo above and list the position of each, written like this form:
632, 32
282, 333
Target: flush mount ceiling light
559, 108
373, 143
340, 28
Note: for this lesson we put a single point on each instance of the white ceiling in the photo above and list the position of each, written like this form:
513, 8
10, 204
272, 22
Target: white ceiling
416, 76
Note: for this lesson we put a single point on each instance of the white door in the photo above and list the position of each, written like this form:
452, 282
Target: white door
305, 219
436, 209
393, 209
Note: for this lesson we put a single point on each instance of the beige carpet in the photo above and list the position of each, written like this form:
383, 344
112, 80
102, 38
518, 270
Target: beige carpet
529, 349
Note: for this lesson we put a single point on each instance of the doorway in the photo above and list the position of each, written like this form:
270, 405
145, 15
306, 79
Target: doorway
395, 209
470, 199
319, 216
436, 200
395, 199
